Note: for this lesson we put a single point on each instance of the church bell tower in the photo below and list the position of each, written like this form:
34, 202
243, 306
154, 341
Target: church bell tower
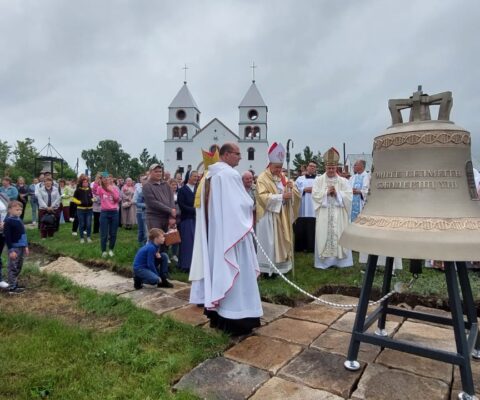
183, 116
253, 111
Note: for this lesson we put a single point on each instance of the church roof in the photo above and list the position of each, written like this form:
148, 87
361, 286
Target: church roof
221, 123
183, 99
253, 98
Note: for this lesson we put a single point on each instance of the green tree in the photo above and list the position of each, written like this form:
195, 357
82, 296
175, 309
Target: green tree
107, 156
307, 156
24, 155
318, 158
68, 172
4, 153
146, 160
136, 169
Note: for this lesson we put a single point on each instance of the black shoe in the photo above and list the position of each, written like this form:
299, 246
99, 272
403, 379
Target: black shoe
137, 284
165, 283
15, 290
266, 275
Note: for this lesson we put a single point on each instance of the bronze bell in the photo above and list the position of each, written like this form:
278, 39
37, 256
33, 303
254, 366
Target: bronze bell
423, 203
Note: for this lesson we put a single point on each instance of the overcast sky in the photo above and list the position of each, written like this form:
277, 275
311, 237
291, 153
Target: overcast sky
81, 72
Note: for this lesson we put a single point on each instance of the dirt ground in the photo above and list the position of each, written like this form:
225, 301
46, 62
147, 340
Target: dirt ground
41, 300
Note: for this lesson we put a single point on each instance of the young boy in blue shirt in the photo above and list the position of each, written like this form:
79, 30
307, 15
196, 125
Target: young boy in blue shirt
17, 244
150, 266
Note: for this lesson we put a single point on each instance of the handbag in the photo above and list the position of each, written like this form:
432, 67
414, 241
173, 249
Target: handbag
172, 237
48, 220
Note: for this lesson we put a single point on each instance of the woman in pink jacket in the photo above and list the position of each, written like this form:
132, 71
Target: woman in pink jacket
109, 198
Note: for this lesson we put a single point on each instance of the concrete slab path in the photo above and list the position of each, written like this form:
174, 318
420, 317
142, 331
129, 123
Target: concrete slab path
297, 353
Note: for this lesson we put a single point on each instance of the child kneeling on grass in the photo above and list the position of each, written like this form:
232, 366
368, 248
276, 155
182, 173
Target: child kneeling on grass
16, 241
150, 265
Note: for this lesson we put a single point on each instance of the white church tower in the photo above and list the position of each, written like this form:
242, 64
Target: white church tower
252, 130
183, 124
253, 115
183, 116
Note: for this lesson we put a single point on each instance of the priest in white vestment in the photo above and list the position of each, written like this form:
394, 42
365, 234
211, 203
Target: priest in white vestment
278, 201
230, 267
332, 199
305, 224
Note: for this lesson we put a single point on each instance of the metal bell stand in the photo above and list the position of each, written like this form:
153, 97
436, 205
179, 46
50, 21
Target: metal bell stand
466, 344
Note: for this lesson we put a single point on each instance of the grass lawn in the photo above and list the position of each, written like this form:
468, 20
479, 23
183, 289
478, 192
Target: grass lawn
60, 341
431, 283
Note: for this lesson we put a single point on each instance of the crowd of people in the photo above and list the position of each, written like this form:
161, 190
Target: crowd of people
105, 204
200, 221
312, 208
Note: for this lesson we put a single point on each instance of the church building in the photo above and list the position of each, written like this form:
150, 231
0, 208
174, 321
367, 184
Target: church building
186, 137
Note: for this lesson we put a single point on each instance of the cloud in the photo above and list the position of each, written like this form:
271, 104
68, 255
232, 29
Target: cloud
82, 72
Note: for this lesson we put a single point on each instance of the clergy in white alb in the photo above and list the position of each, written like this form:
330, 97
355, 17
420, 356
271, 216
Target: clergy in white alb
278, 201
332, 199
230, 266
304, 226
360, 184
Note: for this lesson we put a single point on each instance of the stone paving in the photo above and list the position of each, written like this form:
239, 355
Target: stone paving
297, 353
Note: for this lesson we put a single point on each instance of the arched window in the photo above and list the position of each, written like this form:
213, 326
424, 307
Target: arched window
256, 132
248, 132
176, 132
251, 154
184, 132
179, 153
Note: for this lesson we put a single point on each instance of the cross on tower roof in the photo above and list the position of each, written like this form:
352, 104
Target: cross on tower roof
185, 69
253, 66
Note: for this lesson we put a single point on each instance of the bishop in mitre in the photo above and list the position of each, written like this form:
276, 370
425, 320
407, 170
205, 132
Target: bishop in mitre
332, 201
278, 201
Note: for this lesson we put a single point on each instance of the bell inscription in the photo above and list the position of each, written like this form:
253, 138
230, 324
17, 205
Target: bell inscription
395, 183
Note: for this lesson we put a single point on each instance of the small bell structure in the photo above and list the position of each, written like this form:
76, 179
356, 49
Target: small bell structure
47, 158
423, 204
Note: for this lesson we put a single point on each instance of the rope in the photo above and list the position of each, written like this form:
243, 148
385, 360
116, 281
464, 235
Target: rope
398, 288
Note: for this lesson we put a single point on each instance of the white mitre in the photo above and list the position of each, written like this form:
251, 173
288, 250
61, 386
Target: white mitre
276, 153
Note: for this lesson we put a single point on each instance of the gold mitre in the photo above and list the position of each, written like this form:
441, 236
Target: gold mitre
331, 156
210, 158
